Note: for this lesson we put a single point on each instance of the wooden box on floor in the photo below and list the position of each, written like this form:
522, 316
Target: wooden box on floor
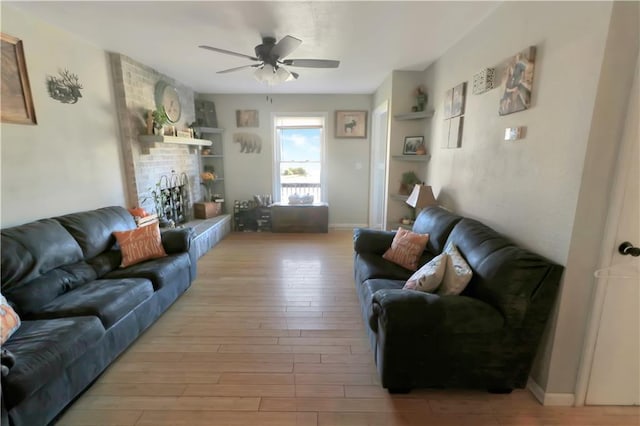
206, 210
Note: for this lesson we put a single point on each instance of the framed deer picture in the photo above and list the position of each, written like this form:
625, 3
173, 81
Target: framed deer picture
351, 124
15, 91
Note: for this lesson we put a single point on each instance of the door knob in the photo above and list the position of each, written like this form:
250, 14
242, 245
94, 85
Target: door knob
627, 248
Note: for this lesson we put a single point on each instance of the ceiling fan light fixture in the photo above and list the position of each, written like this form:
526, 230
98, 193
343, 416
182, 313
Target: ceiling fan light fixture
271, 75
265, 74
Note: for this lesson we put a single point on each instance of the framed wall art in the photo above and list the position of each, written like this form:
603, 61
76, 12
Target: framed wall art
413, 145
517, 82
459, 95
15, 91
247, 118
351, 124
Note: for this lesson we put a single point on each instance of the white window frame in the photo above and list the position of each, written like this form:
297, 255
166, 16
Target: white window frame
324, 190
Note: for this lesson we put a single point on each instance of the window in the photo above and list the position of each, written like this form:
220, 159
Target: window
299, 157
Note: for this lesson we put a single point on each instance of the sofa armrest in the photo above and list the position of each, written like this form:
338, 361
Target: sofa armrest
367, 240
181, 241
177, 240
7, 360
408, 311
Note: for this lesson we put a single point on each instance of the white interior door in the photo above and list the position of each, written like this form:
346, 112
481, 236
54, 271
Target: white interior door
615, 371
378, 191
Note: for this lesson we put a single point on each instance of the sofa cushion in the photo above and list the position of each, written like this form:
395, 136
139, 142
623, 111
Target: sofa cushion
438, 223
92, 229
9, 320
109, 300
35, 248
140, 244
457, 273
429, 276
161, 272
371, 265
475, 241
33, 295
371, 286
106, 262
42, 350
406, 248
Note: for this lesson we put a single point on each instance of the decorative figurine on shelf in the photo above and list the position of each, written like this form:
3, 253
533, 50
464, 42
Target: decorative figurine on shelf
207, 180
421, 98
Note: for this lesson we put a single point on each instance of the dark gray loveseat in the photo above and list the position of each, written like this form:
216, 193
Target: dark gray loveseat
79, 310
486, 337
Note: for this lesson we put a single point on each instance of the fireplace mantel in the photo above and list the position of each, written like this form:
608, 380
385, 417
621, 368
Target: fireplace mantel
174, 140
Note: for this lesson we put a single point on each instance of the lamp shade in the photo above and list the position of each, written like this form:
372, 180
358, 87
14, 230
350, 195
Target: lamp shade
421, 197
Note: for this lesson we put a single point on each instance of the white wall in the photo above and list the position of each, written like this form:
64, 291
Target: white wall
70, 161
347, 159
536, 190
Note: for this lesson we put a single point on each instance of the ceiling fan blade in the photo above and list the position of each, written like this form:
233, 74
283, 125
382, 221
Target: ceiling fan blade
295, 74
285, 46
312, 63
237, 68
228, 52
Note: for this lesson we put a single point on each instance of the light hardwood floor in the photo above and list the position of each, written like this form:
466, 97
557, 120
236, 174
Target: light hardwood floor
270, 334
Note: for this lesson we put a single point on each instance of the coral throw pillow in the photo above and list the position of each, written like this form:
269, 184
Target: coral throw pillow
9, 320
457, 274
406, 248
429, 277
140, 244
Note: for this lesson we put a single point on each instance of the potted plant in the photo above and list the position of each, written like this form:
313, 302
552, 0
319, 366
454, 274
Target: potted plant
159, 120
409, 179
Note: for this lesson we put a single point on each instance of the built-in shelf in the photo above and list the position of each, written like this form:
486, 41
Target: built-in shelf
212, 156
399, 197
173, 139
208, 130
394, 225
416, 158
414, 115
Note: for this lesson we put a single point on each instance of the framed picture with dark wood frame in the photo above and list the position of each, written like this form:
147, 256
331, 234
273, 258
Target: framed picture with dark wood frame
351, 124
15, 91
412, 144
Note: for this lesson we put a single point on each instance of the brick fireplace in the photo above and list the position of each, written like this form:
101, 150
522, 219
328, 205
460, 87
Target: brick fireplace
145, 164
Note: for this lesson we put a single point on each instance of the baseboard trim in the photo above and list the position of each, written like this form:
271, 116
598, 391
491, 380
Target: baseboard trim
550, 399
346, 226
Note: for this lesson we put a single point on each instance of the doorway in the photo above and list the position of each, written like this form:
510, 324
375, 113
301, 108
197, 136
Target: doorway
610, 372
378, 187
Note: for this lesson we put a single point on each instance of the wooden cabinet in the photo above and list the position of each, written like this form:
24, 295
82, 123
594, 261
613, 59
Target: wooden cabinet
300, 218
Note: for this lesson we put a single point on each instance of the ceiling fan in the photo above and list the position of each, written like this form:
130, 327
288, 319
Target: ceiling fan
270, 60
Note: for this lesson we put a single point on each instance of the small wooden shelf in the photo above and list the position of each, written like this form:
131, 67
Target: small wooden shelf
173, 139
416, 158
399, 197
414, 115
208, 130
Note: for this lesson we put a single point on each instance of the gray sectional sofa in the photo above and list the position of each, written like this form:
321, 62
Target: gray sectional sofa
79, 309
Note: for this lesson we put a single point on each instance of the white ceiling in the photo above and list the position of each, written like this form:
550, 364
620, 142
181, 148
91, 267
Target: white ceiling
369, 38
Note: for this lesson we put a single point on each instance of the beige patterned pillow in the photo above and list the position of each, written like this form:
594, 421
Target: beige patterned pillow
457, 274
9, 320
429, 277
406, 248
